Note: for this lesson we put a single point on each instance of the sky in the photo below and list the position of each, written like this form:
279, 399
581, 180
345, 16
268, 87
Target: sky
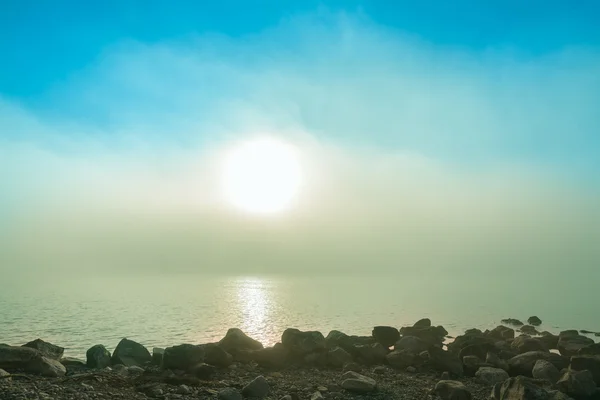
433, 135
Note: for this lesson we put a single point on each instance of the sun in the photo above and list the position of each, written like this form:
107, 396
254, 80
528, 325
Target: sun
261, 176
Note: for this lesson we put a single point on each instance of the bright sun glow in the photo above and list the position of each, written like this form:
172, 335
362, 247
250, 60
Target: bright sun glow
261, 176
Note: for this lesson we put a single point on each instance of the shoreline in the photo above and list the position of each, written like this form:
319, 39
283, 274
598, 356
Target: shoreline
412, 362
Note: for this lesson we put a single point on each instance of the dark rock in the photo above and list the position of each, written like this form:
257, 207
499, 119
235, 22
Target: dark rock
535, 321
423, 323
577, 384
590, 363
72, 362
229, 394
586, 332
357, 383
401, 359
203, 371
549, 340
570, 345
272, 357
568, 333
520, 388
491, 376
473, 331
452, 390
157, 356
512, 321
471, 364
48, 350
411, 344
182, 357
338, 357
352, 366
216, 355
130, 353
433, 335
379, 370
478, 350
98, 357
235, 340
502, 332
29, 360
259, 388
524, 344
523, 363
545, 370
336, 339
371, 354
529, 330
441, 360
386, 335
591, 350
495, 361
302, 343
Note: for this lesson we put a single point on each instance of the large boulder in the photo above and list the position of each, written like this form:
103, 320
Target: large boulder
545, 370
29, 360
272, 357
495, 361
502, 332
386, 335
300, 343
452, 390
578, 384
48, 350
512, 321
130, 353
433, 335
520, 388
257, 389
571, 344
401, 359
523, 344
182, 357
589, 363
97, 357
235, 340
534, 320
549, 340
412, 344
357, 383
422, 323
216, 355
371, 354
523, 363
491, 376
591, 350
444, 361
338, 357
529, 330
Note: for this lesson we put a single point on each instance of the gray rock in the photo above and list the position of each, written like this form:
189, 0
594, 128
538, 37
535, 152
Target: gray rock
411, 370
303, 343
216, 355
535, 321
472, 363
523, 344
157, 355
3, 373
529, 330
235, 340
400, 359
433, 335
48, 350
259, 388
452, 390
577, 384
386, 335
317, 396
184, 389
571, 344
379, 370
545, 370
355, 382
441, 360
445, 376
352, 366
72, 362
229, 394
272, 357
134, 370
523, 363
568, 333
502, 332
182, 357
520, 388
130, 353
372, 353
203, 371
549, 340
98, 357
29, 360
338, 357
411, 344
495, 361
590, 363
423, 323
512, 321
591, 350
491, 376
558, 395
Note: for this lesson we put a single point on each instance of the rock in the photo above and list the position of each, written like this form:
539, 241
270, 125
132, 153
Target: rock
570, 345
98, 357
445, 376
441, 360
357, 383
317, 396
272, 357
157, 356
591, 350
523, 363
216, 355
495, 361
379, 370
411, 370
433, 335
29, 360
3, 373
502, 332
130, 353
371, 354
590, 363
352, 366
316, 359
302, 343
452, 390
235, 340
412, 344
512, 321
183, 389
386, 335
423, 323
471, 364
338, 357
557, 395
549, 340
520, 388
229, 394
259, 388
577, 384
72, 362
545, 370
182, 357
134, 370
473, 345
120, 369
491, 376
203, 371
336, 339
529, 330
535, 321
48, 350
568, 333
523, 344
400, 359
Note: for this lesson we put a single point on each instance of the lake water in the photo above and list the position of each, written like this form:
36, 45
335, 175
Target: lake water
78, 312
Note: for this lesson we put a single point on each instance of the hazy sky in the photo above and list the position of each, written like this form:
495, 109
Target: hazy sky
438, 135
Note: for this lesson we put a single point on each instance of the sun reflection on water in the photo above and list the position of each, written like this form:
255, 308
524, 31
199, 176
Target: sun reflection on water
255, 303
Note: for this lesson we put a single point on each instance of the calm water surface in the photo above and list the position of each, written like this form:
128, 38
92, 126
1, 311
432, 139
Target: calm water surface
165, 310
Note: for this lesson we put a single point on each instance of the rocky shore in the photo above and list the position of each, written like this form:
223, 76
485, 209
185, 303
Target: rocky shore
413, 362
